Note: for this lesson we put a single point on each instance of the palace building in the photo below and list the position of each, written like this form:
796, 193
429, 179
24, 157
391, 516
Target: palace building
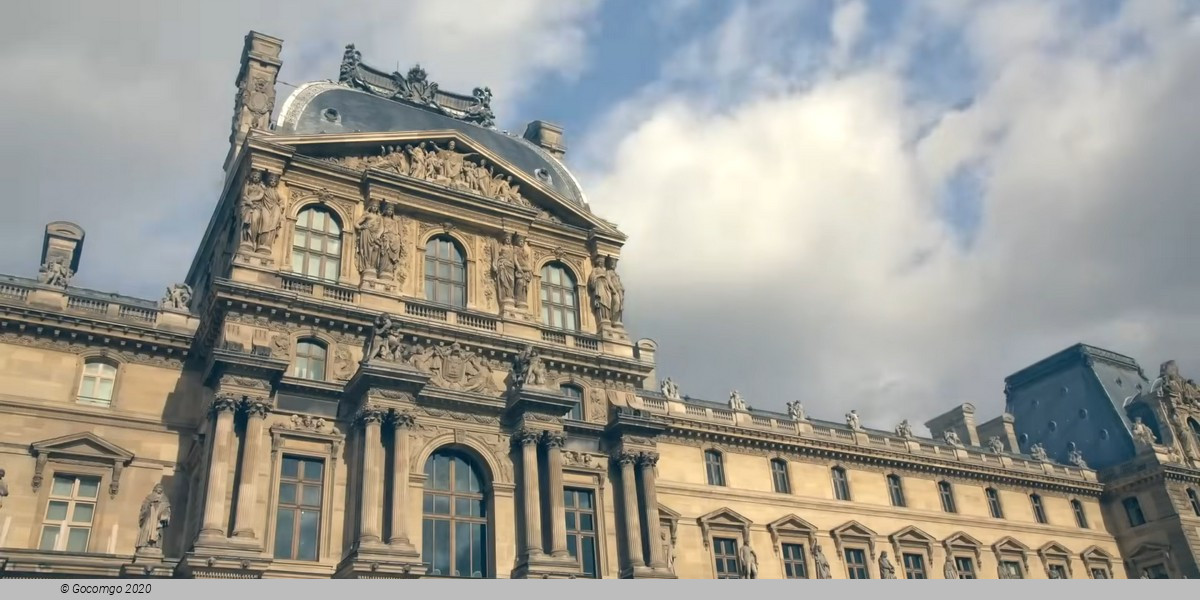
399, 352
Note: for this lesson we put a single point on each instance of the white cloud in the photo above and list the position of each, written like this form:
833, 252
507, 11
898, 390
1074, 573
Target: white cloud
790, 244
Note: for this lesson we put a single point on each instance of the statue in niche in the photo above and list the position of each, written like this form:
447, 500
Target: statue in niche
1075, 457
747, 561
392, 248
368, 245
3, 489
949, 571
886, 569
600, 291
153, 517
504, 270
1142, 434
56, 272
523, 274
904, 430
1038, 453
252, 200
736, 402
259, 99
995, 444
616, 291
951, 438
670, 389
178, 297
269, 216
853, 420
821, 563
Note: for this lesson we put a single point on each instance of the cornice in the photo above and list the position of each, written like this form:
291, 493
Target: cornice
22, 318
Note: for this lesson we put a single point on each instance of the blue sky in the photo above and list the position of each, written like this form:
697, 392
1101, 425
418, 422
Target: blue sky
878, 205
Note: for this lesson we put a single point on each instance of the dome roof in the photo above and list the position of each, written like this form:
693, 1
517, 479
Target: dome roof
329, 108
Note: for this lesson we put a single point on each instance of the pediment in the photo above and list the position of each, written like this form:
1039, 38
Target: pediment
666, 513
962, 539
454, 161
1095, 553
82, 445
1009, 544
912, 535
853, 529
1149, 550
792, 523
724, 516
1054, 549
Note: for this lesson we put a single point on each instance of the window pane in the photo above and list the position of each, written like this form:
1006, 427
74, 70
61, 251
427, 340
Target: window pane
309, 526
104, 389
89, 487
301, 239
462, 549
63, 486
464, 507
441, 550
77, 539
318, 220
287, 493
285, 524
313, 469
291, 467
297, 262
314, 268
441, 505
83, 513
333, 246
586, 523
49, 537
331, 270
589, 556
87, 388
312, 495
56, 511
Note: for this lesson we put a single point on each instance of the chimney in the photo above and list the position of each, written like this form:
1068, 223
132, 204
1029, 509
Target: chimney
960, 419
63, 242
255, 99
548, 136
1002, 427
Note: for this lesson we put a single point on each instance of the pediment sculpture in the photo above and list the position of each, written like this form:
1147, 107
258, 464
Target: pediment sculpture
445, 166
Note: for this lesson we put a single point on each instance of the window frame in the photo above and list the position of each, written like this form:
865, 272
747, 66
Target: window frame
308, 253
1194, 499
1007, 564
714, 467
960, 560
1131, 503
313, 342
895, 485
72, 501
794, 568
852, 567
946, 493
922, 569
781, 481
721, 560
995, 506
300, 443
595, 533
1039, 509
298, 507
486, 499
97, 401
548, 307
576, 412
840, 479
437, 242
1080, 513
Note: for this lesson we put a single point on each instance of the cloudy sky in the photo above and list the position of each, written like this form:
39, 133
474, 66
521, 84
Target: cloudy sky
878, 205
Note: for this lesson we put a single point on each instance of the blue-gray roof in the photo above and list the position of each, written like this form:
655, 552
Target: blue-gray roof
305, 113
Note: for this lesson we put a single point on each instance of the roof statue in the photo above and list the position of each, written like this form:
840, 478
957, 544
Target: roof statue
415, 88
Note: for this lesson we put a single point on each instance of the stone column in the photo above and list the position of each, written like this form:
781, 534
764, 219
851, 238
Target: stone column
222, 409
558, 513
400, 456
372, 476
256, 414
532, 503
646, 463
633, 525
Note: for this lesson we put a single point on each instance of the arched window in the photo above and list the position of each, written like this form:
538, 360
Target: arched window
1080, 516
841, 484
779, 476
445, 272
993, 498
1194, 499
1195, 427
1133, 510
575, 393
896, 490
946, 491
714, 467
97, 382
317, 245
454, 534
310, 360
560, 305
1039, 511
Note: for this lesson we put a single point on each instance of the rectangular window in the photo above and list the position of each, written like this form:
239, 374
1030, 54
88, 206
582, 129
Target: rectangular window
856, 564
1133, 510
714, 467
794, 565
69, 513
947, 494
298, 510
725, 553
993, 498
1158, 571
1039, 511
896, 490
581, 530
779, 477
575, 394
1011, 569
841, 485
1058, 572
1080, 516
1099, 573
965, 567
914, 566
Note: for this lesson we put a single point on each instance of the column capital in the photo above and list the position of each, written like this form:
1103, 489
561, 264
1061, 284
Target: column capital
223, 403
403, 420
257, 406
526, 437
553, 439
370, 414
625, 458
647, 459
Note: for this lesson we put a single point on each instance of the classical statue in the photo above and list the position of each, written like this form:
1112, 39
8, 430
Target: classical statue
178, 297
383, 342
886, 569
450, 165
523, 272
747, 562
904, 430
527, 367
853, 421
1170, 383
56, 272
154, 516
392, 249
1142, 434
252, 202
368, 245
3, 489
1038, 453
1075, 457
616, 291
951, 438
600, 290
259, 99
670, 389
504, 269
796, 411
419, 160
670, 549
269, 216
995, 444
821, 563
736, 402
949, 571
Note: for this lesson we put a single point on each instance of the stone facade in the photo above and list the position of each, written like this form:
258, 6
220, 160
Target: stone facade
399, 352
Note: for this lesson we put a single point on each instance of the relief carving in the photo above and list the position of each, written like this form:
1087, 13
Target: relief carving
343, 363
308, 423
258, 99
56, 272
